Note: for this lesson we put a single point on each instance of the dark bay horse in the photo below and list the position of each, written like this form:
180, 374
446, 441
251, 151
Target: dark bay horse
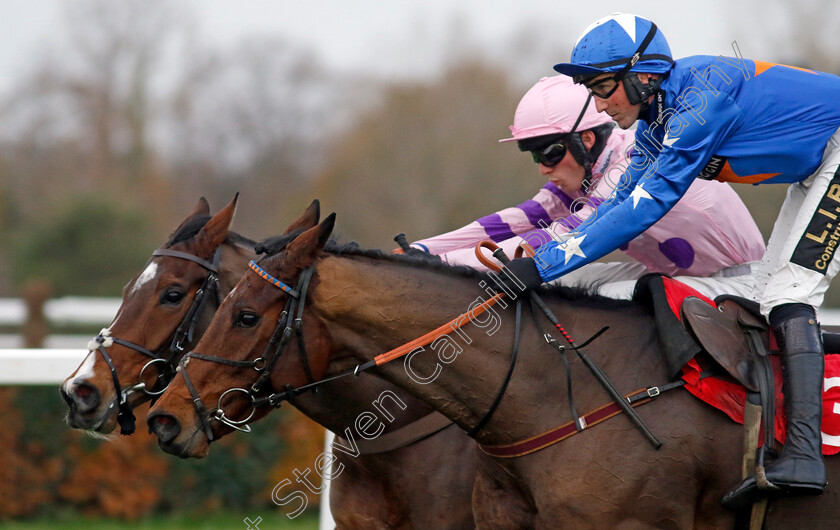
380, 488
362, 303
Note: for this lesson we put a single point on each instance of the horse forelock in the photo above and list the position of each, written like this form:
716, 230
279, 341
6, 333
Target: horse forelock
188, 230
276, 244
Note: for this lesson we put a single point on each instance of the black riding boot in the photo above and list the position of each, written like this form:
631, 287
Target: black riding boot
800, 469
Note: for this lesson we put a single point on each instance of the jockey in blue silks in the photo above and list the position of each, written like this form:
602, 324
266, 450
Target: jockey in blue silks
736, 120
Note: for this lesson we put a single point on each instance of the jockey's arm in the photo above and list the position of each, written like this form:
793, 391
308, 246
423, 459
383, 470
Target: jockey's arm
660, 173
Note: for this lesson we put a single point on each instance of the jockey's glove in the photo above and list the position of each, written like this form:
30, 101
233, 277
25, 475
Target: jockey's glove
519, 276
417, 253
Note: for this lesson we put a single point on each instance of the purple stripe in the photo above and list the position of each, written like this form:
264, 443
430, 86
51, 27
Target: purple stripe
537, 238
562, 195
497, 230
571, 222
535, 213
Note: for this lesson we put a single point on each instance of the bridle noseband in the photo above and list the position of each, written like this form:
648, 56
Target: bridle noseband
290, 321
183, 334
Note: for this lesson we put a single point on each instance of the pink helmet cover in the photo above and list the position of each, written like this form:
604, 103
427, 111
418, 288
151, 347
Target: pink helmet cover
551, 107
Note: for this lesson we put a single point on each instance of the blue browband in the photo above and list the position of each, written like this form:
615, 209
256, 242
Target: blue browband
271, 279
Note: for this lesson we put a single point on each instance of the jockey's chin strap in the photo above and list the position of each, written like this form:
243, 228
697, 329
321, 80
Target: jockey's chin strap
290, 321
185, 331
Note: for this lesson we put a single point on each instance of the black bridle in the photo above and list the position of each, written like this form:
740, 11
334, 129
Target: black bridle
183, 335
290, 321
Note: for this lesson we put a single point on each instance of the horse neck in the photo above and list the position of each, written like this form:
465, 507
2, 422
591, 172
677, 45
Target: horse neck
372, 306
339, 404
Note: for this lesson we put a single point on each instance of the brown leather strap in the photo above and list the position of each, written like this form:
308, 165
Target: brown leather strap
549, 438
453, 325
404, 436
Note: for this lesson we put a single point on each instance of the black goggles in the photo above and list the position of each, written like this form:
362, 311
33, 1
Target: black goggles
550, 156
605, 87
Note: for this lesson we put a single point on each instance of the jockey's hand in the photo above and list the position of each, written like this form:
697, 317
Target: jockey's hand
525, 273
416, 253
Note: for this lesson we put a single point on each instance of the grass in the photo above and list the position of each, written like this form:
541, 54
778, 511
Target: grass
228, 521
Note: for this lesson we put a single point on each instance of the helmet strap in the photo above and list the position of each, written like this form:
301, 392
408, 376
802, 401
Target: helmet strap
638, 92
577, 148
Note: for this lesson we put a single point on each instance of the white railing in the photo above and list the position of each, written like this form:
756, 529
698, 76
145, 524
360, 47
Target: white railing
34, 366
63, 311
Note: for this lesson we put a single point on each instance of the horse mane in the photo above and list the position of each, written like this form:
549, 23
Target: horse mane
586, 295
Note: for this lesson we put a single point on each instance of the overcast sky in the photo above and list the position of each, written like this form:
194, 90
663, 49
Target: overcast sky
397, 37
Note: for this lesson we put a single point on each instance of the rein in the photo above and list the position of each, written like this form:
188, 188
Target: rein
185, 331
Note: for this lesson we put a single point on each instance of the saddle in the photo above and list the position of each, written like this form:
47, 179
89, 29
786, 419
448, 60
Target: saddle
732, 333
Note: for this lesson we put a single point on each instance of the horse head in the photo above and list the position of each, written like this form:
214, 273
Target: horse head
256, 324
165, 309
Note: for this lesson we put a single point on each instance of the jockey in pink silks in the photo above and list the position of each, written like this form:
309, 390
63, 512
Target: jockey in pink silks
708, 240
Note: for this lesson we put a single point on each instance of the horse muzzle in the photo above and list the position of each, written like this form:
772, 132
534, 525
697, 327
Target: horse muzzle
173, 438
85, 407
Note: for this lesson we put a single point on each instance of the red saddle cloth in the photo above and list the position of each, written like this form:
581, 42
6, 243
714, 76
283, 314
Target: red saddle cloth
730, 397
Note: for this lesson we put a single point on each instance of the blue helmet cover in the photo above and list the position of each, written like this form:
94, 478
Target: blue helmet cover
614, 40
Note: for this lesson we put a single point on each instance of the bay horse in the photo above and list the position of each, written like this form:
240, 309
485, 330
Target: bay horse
159, 307
165, 308
362, 303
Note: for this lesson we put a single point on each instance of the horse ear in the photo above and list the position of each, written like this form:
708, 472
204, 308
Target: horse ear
216, 230
201, 208
307, 245
308, 219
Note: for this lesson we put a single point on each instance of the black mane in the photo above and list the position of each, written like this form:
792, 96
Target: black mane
352, 249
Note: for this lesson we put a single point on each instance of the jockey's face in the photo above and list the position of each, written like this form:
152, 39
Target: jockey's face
568, 175
617, 105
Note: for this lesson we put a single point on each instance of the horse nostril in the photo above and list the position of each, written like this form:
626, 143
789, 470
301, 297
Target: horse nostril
164, 426
82, 396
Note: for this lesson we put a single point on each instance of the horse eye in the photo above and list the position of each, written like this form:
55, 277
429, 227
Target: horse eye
172, 297
247, 319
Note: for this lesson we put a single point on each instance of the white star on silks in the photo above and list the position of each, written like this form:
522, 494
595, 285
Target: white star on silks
572, 248
638, 194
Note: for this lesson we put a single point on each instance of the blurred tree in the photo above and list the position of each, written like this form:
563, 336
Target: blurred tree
251, 125
427, 159
87, 246
84, 119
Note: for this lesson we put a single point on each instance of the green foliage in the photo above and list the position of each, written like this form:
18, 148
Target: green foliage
86, 246
427, 160
236, 473
57, 474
